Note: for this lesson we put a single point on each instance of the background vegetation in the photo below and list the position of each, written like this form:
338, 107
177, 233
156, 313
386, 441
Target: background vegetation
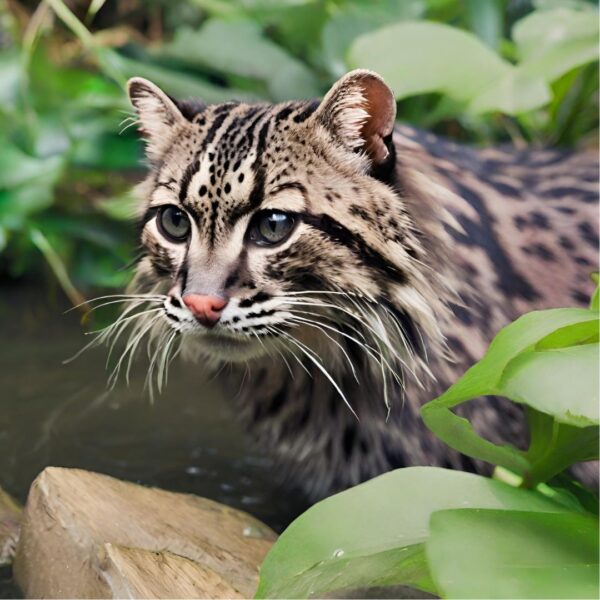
482, 71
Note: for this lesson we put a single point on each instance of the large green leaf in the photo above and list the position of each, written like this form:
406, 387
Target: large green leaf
562, 382
513, 554
351, 19
419, 58
523, 347
239, 48
552, 42
373, 533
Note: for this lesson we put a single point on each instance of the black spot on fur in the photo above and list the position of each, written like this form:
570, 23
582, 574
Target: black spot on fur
588, 234
260, 297
482, 234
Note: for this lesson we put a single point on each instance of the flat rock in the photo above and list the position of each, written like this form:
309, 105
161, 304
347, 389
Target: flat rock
10, 518
87, 535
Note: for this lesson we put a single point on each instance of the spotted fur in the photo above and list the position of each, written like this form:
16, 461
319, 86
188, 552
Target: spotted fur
407, 255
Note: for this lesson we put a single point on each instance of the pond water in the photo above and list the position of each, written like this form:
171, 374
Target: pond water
63, 415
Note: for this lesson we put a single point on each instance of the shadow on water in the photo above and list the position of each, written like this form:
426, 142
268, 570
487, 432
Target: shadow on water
62, 415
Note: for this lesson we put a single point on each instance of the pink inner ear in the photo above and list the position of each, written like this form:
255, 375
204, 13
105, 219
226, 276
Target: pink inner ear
381, 107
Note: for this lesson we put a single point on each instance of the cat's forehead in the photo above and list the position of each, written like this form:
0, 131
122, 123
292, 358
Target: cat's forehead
230, 157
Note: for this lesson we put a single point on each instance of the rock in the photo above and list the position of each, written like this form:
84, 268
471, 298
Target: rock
87, 535
135, 573
10, 518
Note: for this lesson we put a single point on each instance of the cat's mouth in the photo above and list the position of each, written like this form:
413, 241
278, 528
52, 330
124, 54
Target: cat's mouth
227, 345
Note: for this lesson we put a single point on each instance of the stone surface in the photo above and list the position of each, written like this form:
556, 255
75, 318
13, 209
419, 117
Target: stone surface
10, 518
87, 535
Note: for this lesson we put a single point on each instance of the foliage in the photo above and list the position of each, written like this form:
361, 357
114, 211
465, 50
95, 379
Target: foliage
482, 70
529, 533
548, 361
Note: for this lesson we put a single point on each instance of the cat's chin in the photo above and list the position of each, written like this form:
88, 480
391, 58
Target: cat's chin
215, 346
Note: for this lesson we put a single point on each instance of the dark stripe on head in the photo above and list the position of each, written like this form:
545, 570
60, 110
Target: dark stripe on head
308, 110
291, 185
194, 166
284, 113
260, 297
342, 235
257, 193
214, 206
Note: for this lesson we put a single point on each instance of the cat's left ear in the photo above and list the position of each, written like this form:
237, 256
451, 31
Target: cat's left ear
158, 114
359, 111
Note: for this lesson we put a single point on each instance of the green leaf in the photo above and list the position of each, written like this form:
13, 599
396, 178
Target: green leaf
57, 265
595, 301
513, 554
182, 85
485, 18
561, 382
355, 538
26, 184
552, 42
239, 48
420, 58
555, 446
528, 362
356, 18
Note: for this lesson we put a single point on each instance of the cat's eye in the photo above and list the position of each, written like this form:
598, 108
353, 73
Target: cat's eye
174, 223
270, 227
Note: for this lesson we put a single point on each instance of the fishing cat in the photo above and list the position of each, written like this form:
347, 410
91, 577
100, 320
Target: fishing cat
350, 267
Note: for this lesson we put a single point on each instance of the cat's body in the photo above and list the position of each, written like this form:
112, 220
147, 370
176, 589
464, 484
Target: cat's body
340, 264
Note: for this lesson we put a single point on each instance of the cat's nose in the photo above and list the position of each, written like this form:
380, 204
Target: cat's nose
207, 309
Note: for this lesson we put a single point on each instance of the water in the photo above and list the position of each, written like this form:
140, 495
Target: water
52, 414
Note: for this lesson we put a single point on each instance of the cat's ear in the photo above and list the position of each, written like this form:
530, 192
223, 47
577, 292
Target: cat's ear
359, 111
158, 114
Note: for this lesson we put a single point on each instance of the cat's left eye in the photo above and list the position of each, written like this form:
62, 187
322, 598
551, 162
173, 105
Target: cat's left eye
174, 223
270, 227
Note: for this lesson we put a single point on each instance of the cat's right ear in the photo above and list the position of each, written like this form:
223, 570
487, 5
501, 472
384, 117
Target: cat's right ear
158, 114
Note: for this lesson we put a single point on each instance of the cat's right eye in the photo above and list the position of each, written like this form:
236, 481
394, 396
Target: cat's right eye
174, 223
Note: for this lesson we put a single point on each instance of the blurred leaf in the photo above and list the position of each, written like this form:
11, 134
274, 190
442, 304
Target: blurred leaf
571, 4
106, 151
418, 58
486, 20
352, 19
551, 43
239, 48
17, 168
513, 554
123, 208
179, 84
10, 76
372, 534
57, 266
26, 184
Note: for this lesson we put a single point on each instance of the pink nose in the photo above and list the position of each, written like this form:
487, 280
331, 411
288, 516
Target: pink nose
207, 309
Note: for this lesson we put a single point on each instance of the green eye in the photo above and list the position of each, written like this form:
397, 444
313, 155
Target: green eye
271, 227
174, 223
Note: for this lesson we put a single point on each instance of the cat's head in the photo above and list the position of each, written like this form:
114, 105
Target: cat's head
268, 224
